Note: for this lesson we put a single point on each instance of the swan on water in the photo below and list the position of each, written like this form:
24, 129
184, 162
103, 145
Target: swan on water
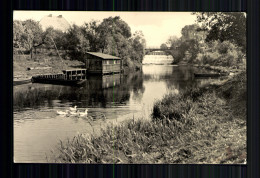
62, 112
83, 113
74, 113
73, 109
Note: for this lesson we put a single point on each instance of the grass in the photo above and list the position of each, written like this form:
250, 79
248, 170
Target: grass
222, 69
202, 125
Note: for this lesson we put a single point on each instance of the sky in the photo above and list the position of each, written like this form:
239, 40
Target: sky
157, 27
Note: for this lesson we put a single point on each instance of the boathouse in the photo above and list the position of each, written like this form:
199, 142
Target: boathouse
100, 63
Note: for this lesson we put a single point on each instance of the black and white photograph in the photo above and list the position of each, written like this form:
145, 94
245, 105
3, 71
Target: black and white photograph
114, 87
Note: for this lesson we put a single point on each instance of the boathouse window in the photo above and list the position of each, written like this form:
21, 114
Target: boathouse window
98, 63
114, 61
107, 61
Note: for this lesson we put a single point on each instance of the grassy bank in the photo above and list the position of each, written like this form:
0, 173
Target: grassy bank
203, 125
41, 64
221, 69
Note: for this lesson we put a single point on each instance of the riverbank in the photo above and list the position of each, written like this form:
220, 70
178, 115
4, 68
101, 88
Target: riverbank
220, 69
203, 125
24, 67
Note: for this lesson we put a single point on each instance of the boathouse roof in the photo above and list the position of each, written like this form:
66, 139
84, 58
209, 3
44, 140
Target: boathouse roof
102, 55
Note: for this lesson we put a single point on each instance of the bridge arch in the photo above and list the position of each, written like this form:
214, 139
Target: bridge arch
158, 56
167, 51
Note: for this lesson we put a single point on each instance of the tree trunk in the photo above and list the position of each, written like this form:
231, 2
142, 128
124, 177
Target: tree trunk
31, 51
35, 52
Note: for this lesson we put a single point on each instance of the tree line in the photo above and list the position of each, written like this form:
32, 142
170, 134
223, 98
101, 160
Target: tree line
111, 36
217, 38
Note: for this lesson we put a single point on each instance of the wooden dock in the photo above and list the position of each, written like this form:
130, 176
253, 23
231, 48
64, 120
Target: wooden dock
68, 77
73, 74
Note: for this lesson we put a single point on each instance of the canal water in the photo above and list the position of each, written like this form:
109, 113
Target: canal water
38, 128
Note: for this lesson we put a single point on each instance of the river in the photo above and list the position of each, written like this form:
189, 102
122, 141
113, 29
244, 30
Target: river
38, 128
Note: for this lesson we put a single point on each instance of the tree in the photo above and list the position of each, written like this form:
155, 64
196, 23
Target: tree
189, 32
187, 46
32, 35
54, 36
75, 42
224, 26
111, 26
138, 44
173, 41
163, 46
93, 34
18, 30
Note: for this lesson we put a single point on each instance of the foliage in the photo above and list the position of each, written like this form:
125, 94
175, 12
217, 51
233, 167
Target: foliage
192, 32
52, 37
138, 46
163, 46
187, 46
224, 26
220, 54
18, 30
92, 33
180, 53
75, 43
173, 41
109, 28
28, 35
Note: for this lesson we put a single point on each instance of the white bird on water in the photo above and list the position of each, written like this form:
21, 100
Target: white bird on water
73, 109
83, 113
62, 112
74, 112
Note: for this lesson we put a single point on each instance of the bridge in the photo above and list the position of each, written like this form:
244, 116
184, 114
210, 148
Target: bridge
152, 49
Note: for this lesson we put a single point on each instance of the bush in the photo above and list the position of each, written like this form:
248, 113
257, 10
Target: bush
171, 107
220, 54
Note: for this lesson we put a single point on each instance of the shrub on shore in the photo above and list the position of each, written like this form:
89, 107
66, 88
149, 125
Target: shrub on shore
218, 53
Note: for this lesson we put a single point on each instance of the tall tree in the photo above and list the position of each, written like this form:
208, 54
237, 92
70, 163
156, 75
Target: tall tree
224, 26
52, 36
111, 26
163, 46
32, 36
18, 30
173, 41
93, 34
138, 44
76, 44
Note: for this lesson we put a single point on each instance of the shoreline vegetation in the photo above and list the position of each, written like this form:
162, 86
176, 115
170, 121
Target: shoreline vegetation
200, 125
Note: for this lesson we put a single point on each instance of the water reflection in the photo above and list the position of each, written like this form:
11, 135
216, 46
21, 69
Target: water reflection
104, 91
97, 91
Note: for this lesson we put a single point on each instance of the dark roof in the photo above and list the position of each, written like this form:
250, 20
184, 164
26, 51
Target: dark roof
102, 55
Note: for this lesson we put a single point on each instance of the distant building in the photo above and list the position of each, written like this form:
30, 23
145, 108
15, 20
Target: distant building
57, 22
101, 63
